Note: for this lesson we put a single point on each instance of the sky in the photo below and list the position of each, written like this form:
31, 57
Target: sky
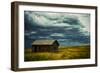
67, 28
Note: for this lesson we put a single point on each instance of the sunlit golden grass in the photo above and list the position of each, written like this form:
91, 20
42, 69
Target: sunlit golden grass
65, 52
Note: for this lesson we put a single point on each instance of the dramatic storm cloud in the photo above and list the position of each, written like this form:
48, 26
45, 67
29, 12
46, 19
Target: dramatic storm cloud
67, 28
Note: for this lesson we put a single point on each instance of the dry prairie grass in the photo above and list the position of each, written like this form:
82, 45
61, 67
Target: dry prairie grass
65, 52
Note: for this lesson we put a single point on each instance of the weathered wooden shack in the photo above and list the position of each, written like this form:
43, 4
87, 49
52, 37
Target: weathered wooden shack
45, 46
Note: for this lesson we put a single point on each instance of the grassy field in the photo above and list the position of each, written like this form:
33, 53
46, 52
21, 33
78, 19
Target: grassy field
65, 52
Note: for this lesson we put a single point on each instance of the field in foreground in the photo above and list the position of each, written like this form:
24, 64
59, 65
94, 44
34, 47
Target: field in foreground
65, 52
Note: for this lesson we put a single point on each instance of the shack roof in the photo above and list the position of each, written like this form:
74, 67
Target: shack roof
43, 42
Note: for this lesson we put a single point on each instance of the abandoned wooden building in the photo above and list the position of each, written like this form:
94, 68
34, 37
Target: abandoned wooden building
45, 46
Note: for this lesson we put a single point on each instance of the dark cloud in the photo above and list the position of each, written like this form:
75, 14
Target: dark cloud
71, 34
71, 21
